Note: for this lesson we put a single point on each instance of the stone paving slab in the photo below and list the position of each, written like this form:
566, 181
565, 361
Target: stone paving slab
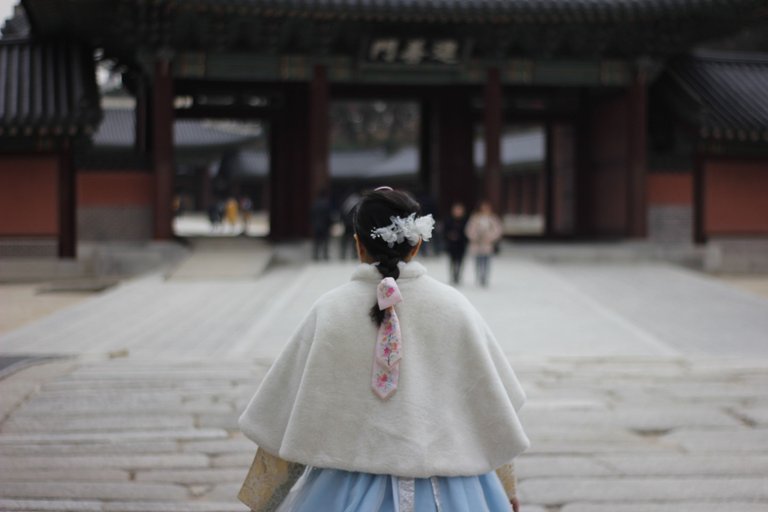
685, 506
625, 413
96, 491
25, 505
232, 258
115, 506
615, 447
542, 309
696, 314
560, 491
748, 440
144, 506
67, 474
112, 437
753, 415
638, 419
191, 476
188, 460
23, 304
533, 465
685, 464
232, 460
38, 423
62, 449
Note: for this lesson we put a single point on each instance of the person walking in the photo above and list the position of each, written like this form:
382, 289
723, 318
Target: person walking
321, 220
231, 212
246, 210
456, 240
483, 231
214, 215
391, 395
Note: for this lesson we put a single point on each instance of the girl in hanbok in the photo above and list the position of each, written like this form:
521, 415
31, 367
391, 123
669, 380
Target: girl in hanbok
392, 395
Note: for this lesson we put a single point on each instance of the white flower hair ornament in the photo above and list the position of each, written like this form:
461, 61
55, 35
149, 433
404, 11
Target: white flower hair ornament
409, 228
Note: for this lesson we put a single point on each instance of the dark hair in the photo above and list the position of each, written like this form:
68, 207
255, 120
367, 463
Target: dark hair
374, 211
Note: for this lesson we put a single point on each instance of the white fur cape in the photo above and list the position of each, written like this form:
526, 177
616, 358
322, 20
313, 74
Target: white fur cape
455, 409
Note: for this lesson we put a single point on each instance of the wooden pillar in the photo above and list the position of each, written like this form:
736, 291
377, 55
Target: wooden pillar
517, 191
531, 187
540, 201
204, 192
525, 195
319, 143
532, 194
699, 205
637, 204
289, 180
425, 146
67, 204
162, 148
492, 125
141, 113
508, 185
549, 182
455, 143
583, 169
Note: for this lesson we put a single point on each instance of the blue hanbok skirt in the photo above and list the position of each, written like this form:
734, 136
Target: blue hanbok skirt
332, 490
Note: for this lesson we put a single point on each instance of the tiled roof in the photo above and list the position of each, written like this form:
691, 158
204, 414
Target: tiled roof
473, 10
47, 89
550, 27
729, 91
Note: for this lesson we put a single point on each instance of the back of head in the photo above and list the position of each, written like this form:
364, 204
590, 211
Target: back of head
375, 210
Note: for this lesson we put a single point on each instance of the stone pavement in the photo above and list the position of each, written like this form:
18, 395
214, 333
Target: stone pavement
647, 384
619, 434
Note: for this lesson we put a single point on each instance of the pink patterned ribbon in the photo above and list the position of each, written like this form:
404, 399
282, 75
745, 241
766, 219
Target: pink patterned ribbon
389, 347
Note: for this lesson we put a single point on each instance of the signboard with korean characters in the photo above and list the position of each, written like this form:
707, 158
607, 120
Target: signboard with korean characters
414, 51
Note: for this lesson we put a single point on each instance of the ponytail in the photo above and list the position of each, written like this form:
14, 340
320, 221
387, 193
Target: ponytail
387, 267
374, 211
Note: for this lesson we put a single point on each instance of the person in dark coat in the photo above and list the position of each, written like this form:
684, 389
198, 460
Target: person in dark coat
456, 239
321, 220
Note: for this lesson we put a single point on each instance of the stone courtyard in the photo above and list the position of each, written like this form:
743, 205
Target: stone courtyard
647, 385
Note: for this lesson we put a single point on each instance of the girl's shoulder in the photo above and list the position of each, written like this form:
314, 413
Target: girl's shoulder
431, 294
343, 293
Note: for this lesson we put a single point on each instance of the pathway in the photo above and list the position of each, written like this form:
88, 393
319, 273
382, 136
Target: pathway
647, 386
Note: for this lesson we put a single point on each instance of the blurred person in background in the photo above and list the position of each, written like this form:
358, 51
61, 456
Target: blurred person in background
215, 214
321, 220
246, 206
483, 231
456, 240
231, 212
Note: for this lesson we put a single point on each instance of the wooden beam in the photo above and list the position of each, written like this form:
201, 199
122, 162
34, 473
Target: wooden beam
162, 149
492, 124
218, 112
